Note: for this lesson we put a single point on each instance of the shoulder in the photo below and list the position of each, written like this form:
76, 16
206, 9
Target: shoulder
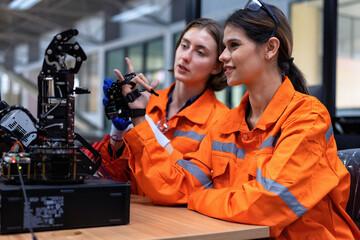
210, 101
209, 97
309, 105
306, 114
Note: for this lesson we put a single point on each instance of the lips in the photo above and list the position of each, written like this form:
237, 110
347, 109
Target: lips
228, 69
182, 68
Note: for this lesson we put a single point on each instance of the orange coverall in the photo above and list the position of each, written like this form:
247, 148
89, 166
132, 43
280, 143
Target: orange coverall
284, 173
186, 130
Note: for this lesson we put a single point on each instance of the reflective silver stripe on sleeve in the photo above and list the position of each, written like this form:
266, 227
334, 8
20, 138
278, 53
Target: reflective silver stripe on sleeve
196, 172
269, 142
190, 134
229, 148
282, 192
329, 133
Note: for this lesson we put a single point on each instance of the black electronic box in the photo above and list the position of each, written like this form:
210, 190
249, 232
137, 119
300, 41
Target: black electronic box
96, 202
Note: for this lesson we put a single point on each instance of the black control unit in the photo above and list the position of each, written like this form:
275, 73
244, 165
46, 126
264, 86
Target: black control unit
96, 202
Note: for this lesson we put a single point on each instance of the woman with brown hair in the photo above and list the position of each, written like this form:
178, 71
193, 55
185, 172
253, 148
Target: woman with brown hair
182, 114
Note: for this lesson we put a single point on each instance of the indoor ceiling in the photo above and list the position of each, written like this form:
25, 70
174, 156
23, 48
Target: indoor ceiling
24, 26
20, 26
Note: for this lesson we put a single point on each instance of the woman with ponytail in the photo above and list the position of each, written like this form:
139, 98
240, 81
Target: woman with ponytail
273, 159
288, 175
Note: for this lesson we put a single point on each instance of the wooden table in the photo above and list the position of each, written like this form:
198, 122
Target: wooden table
156, 222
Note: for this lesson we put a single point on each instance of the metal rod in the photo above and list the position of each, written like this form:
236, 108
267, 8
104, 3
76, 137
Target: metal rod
193, 10
329, 57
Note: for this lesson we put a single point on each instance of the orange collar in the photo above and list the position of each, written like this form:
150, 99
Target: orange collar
273, 111
198, 112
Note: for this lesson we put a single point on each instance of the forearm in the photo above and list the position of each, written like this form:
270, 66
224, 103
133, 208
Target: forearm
155, 170
244, 205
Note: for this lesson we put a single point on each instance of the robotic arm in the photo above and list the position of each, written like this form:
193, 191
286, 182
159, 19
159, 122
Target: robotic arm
53, 156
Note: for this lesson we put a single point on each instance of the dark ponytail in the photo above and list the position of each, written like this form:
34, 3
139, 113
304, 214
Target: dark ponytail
295, 75
258, 26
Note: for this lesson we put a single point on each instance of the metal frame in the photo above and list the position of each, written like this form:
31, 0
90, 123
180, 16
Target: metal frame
193, 10
330, 53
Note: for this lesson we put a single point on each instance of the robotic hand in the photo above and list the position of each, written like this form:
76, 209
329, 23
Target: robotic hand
123, 125
119, 123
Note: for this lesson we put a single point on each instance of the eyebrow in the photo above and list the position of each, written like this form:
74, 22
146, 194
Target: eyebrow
198, 46
232, 40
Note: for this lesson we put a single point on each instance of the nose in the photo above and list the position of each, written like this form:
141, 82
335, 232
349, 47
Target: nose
224, 56
186, 55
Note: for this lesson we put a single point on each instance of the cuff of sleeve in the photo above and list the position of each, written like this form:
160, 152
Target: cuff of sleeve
116, 134
137, 136
194, 198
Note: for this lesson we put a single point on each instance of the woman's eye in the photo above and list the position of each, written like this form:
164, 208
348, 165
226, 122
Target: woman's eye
183, 45
234, 44
200, 52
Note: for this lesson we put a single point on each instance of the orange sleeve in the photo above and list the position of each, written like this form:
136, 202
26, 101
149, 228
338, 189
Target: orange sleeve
164, 181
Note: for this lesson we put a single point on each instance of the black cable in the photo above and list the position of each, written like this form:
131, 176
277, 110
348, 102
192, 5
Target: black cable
53, 108
27, 204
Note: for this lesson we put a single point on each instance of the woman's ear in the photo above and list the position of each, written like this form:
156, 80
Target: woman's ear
272, 48
217, 69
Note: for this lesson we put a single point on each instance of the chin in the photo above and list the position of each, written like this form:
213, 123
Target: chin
234, 82
230, 83
180, 78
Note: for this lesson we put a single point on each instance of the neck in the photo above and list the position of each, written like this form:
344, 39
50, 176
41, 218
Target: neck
260, 95
181, 94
